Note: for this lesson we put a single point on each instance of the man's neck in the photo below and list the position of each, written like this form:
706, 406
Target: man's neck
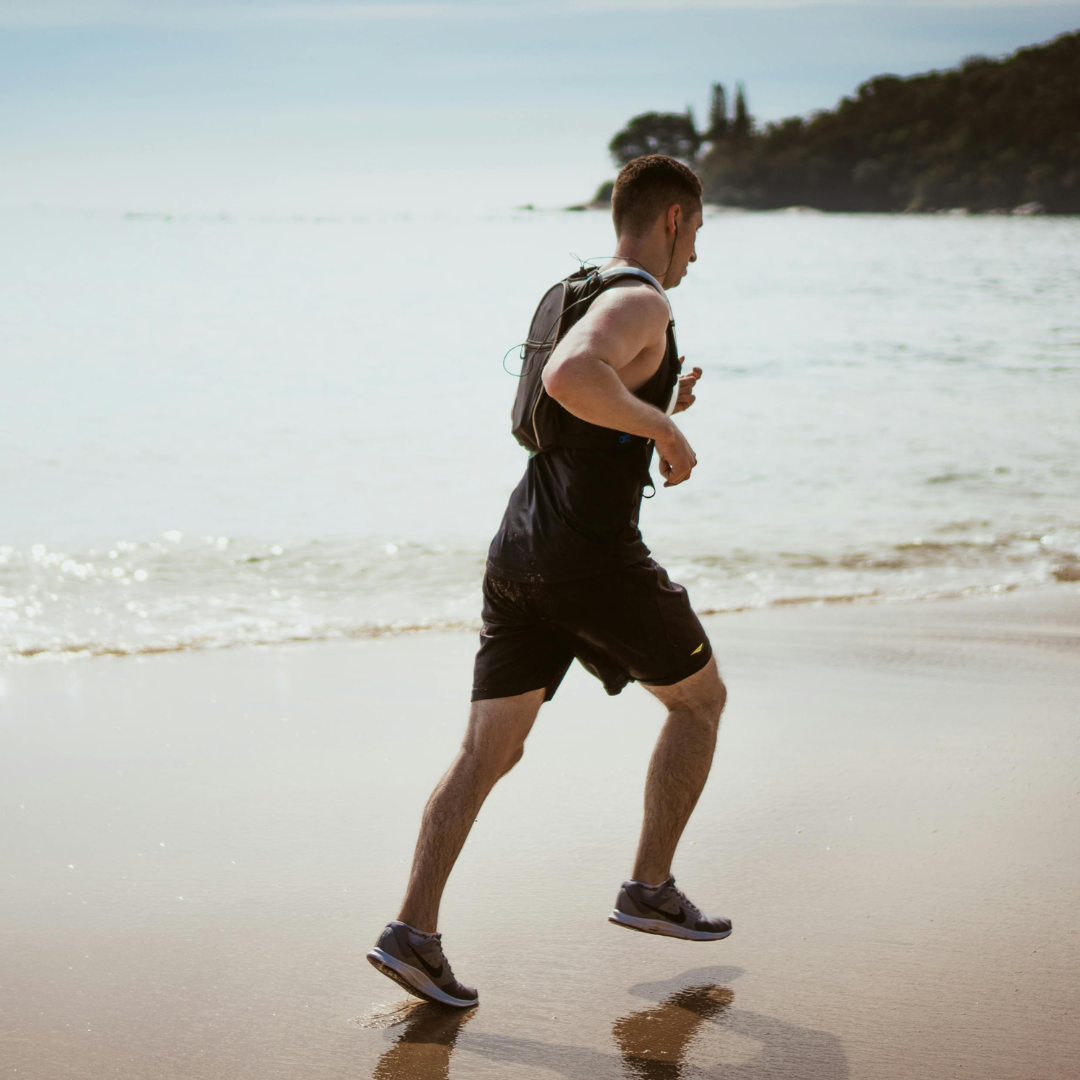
643, 256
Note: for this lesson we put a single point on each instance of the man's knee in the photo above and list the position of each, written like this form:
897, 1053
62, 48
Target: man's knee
703, 698
710, 702
498, 728
718, 697
706, 702
512, 759
493, 758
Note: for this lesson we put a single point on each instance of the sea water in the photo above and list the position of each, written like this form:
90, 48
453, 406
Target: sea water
229, 430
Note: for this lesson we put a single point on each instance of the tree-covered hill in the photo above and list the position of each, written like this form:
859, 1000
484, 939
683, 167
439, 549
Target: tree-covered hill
990, 134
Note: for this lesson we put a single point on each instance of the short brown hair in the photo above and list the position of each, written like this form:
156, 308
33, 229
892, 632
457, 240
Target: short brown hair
647, 186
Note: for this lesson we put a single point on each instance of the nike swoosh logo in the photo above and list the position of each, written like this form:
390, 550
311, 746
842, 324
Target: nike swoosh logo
435, 973
698, 649
676, 918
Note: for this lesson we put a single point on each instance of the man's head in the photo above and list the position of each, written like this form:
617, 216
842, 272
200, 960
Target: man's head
657, 202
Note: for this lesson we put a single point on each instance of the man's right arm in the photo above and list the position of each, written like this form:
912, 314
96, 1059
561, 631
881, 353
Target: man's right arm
583, 373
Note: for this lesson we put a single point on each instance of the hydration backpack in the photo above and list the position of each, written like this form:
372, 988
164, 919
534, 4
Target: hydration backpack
537, 419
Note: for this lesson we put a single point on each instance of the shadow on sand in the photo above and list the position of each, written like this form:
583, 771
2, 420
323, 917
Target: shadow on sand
652, 1043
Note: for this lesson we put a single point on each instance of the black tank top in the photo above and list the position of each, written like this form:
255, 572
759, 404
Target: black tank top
575, 512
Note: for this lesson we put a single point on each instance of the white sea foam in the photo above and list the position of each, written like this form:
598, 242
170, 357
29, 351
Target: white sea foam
164, 596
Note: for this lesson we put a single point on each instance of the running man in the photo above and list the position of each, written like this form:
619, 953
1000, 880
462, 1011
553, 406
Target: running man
568, 575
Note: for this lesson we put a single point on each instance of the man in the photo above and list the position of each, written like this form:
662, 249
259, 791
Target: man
568, 575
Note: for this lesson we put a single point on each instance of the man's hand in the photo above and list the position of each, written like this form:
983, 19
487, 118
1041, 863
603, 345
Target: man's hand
686, 389
677, 457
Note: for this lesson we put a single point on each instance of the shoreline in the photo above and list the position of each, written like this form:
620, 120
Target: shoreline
376, 631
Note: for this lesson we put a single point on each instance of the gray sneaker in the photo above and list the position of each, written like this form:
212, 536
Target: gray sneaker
665, 911
417, 964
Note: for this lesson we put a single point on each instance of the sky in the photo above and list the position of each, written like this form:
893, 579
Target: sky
279, 107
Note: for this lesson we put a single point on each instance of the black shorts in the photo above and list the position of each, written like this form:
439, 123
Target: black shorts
633, 624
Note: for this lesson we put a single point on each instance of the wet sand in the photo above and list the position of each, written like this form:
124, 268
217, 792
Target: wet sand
199, 849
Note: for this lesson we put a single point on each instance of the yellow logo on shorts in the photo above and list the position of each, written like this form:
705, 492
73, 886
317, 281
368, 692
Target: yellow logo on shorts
698, 649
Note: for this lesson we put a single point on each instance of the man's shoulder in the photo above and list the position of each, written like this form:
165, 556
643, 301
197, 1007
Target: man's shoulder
634, 299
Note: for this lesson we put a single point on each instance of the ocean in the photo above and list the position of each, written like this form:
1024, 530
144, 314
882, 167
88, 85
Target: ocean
227, 430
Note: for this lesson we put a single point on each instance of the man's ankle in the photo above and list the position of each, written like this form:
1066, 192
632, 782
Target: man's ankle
418, 923
652, 879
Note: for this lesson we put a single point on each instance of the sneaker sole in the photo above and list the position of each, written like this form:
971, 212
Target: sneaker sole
663, 928
415, 981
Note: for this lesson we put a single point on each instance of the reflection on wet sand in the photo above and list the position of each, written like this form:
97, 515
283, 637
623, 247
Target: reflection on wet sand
654, 1042
422, 1050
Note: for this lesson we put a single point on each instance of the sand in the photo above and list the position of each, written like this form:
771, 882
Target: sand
199, 849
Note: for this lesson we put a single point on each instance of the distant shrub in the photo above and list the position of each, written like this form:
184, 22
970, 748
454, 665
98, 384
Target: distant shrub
674, 134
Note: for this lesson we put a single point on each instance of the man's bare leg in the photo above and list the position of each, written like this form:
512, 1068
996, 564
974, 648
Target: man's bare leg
493, 745
678, 768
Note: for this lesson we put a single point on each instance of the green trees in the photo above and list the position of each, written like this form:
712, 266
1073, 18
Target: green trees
989, 134
674, 134
718, 117
742, 126
677, 135
730, 139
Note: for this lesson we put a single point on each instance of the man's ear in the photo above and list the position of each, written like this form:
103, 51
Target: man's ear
674, 218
